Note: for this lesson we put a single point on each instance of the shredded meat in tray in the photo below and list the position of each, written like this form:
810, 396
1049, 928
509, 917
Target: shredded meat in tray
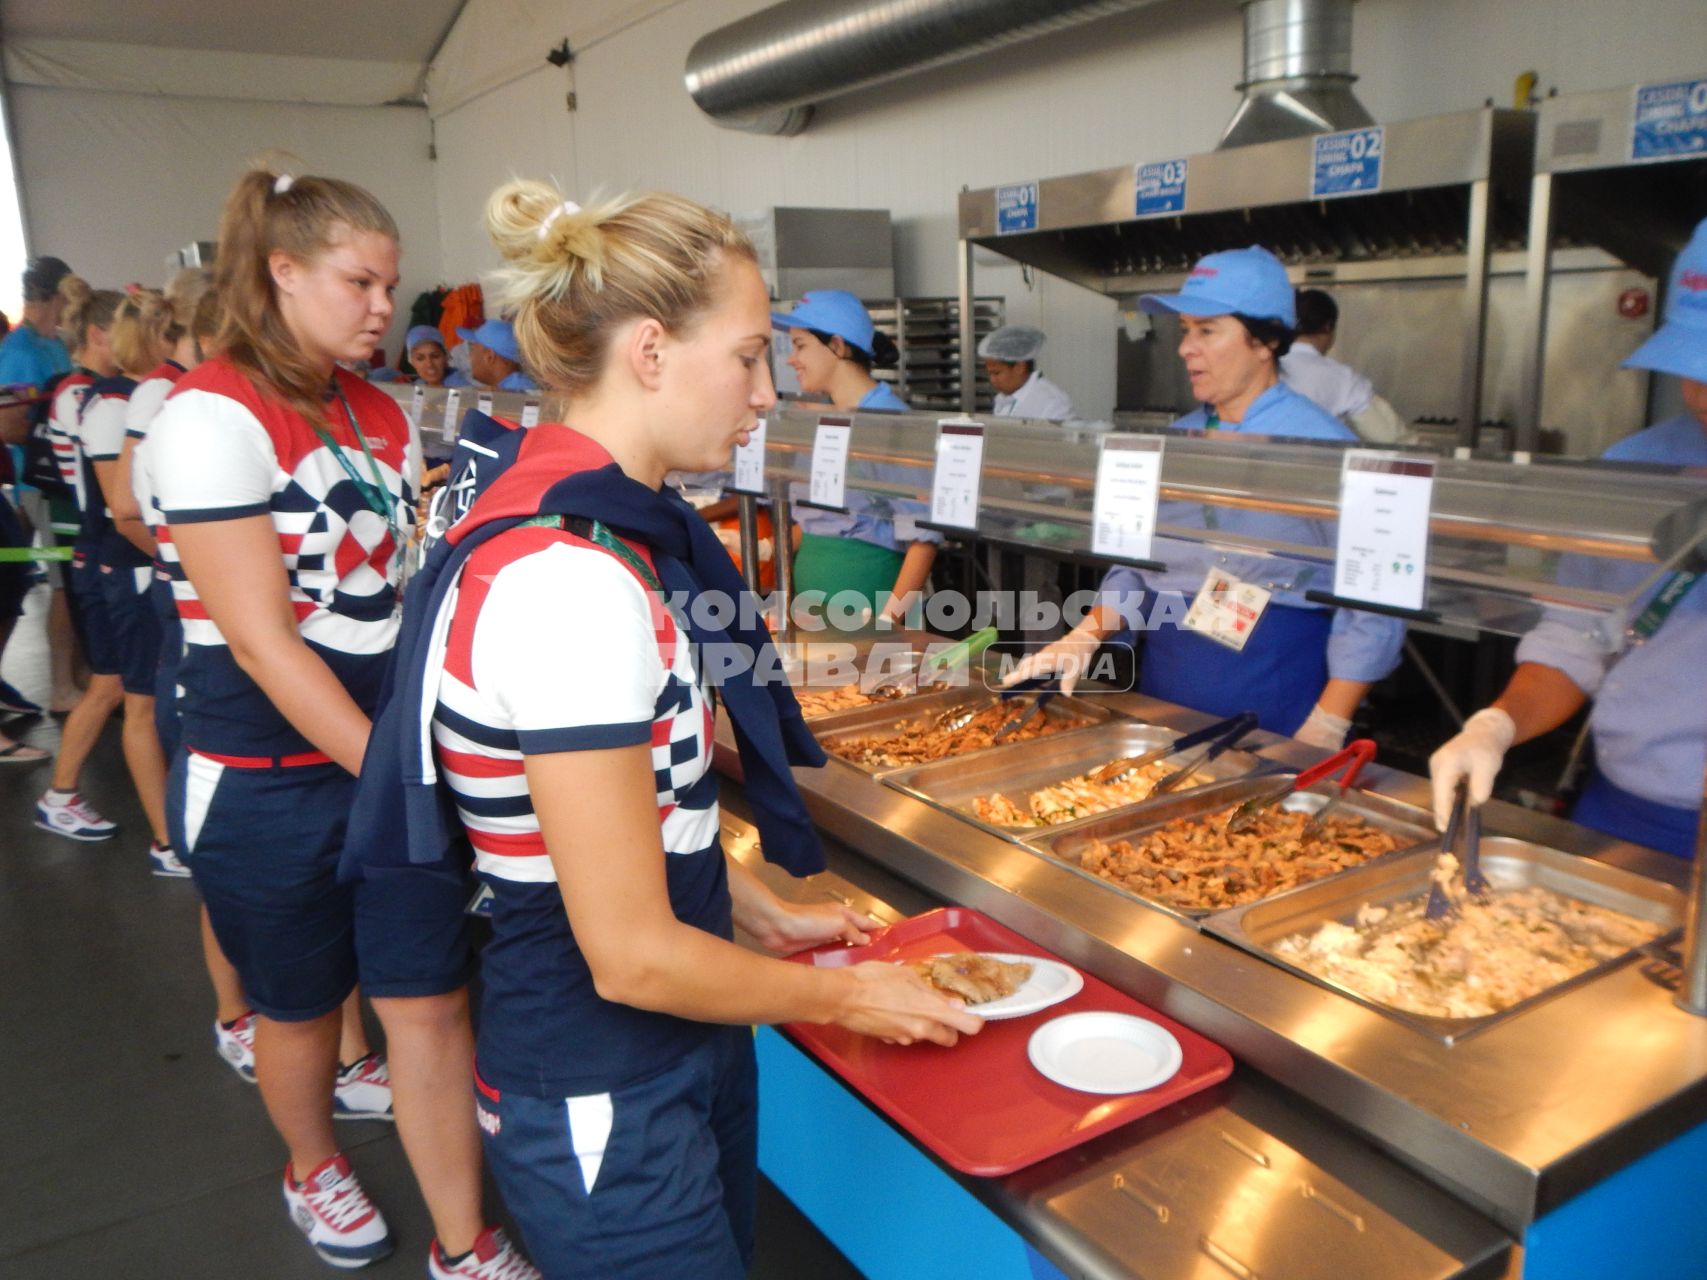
1194, 865
915, 742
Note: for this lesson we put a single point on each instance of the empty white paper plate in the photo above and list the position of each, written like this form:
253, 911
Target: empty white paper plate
1104, 1052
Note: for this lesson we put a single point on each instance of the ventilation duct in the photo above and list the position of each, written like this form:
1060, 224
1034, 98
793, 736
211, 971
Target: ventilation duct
763, 73
1297, 72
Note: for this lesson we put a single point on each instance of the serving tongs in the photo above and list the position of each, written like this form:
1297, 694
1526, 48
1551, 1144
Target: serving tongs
1237, 728
1466, 818
1015, 723
1351, 758
1244, 722
936, 666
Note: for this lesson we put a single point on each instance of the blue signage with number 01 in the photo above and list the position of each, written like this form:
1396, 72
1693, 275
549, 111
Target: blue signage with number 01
1161, 188
1671, 121
1016, 208
1345, 164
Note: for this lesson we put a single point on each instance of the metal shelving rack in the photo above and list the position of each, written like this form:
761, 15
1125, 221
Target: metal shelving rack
927, 330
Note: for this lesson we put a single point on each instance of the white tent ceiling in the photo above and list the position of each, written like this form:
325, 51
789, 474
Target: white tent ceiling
368, 30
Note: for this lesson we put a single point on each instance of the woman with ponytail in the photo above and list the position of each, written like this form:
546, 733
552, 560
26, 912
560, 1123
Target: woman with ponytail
571, 722
878, 549
268, 448
88, 319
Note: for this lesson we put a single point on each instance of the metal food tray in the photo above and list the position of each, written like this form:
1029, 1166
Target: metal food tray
1067, 844
876, 661
889, 717
955, 784
1507, 862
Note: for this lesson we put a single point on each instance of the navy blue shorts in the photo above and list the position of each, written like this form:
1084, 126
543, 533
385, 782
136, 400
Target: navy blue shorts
136, 631
263, 845
166, 674
656, 1178
89, 615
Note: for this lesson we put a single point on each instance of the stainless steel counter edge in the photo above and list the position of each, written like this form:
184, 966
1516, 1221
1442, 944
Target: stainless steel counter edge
1514, 1121
1152, 1199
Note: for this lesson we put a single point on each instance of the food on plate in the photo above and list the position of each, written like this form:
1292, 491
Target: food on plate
974, 977
1077, 797
1193, 864
1489, 955
916, 741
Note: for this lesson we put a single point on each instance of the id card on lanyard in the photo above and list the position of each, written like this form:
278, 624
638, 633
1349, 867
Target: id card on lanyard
1226, 610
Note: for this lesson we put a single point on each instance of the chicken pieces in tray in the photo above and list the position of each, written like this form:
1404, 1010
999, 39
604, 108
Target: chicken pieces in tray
919, 741
972, 976
823, 702
1072, 799
1487, 956
1192, 864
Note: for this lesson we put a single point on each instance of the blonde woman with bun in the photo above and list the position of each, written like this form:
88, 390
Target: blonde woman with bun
571, 724
285, 486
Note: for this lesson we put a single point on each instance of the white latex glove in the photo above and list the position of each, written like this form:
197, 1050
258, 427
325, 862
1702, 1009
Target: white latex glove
1475, 754
1322, 728
1069, 657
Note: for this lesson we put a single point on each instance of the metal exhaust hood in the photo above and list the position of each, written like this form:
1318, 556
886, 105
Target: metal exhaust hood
1297, 72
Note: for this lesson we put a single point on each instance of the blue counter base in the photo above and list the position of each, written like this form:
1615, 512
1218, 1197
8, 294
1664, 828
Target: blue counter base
879, 1199
1644, 1222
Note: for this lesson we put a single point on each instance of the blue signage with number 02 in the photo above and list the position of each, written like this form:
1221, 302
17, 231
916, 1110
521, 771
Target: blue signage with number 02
1349, 163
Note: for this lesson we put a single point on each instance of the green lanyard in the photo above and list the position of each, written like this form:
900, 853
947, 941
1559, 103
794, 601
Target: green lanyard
1668, 597
595, 531
373, 491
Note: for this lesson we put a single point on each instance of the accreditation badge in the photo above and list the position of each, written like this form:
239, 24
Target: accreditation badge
1226, 610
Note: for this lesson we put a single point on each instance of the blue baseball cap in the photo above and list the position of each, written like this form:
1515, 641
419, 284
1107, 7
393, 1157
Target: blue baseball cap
422, 333
496, 336
1679, 345
1250, 282
832, 311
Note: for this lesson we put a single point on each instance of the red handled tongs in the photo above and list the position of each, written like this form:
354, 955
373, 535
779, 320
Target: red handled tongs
1355, 755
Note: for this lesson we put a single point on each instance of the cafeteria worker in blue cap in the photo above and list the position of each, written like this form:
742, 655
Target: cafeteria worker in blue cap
1642, 666
1303, 668
877, 549
494, 357
426, 348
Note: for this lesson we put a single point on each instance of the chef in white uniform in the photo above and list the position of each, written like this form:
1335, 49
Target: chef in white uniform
1010, 358
1344, 392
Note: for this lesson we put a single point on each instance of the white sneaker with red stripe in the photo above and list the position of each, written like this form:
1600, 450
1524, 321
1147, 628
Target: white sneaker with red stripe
492, 1258
363, 1091
236, 1044
331, 1209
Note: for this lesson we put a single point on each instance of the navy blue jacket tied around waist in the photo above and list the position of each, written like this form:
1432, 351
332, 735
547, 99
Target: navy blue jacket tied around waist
403, 816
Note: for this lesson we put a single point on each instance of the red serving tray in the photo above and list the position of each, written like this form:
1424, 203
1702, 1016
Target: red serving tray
981, 1106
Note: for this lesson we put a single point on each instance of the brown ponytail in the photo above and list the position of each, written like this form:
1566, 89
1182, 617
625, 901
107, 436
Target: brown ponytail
86, 308
140, 332
303, 221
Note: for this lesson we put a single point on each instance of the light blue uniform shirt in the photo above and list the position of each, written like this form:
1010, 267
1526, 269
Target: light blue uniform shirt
518, 381
878, 518
457, 378
27, 359
1361, 646
1650, 699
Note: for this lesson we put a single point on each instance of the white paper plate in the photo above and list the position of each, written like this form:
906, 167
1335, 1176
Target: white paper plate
1104, 1052
1051, 982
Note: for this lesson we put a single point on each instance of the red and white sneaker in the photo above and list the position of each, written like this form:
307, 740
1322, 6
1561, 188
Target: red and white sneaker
363, 1090
236, 1044
492, 1258
331, 1209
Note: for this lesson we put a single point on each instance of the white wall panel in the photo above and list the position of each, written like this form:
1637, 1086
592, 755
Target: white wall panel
1151, 84
113, 182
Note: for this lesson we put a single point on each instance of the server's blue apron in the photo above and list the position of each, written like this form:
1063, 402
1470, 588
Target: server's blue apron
1610, 809
1279, 673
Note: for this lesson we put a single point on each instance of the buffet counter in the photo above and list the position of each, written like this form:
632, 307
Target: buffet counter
1348, 1143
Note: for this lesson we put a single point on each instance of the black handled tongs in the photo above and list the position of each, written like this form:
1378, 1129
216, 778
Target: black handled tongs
1466, 819
1238, 727
1244, 722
